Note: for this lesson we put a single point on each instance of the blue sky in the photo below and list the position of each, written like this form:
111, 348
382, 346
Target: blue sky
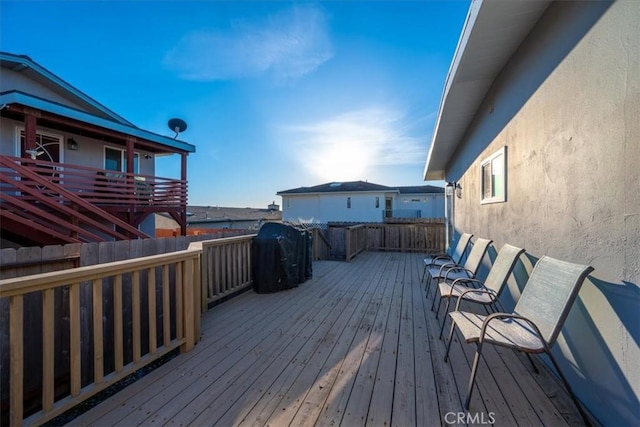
276, 94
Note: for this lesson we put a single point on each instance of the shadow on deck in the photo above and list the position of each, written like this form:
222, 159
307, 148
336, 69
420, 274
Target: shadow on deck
355, 345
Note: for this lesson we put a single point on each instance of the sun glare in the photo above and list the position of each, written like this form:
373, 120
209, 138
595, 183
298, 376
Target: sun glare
340, 162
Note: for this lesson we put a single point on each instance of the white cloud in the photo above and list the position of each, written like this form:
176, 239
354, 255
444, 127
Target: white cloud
288, 45
349, 146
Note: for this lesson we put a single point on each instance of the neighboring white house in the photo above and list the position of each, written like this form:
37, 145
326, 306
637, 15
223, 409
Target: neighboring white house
539, 126
360, 201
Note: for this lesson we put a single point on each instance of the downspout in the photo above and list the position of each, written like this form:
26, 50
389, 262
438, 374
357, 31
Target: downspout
449, 212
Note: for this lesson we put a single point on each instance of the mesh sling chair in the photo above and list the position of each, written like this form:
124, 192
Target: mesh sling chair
536, 321
451, 271
485, 292
450, 257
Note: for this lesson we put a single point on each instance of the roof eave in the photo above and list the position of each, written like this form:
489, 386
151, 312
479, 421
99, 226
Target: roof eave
467, 84
27, 63
20, 98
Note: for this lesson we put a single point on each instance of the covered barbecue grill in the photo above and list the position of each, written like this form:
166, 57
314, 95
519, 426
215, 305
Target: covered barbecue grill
281, 257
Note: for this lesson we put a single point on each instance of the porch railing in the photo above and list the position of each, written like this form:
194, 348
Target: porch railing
114, 302
109, 188
120, 316
355, 240
225, 267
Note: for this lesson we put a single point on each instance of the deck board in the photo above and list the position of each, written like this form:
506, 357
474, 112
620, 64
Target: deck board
356, 345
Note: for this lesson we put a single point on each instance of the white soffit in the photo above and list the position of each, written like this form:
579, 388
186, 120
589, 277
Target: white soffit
492, 33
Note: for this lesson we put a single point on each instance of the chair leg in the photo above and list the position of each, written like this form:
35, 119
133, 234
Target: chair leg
472, 378
424, 272
568, 387
446, 354
435, 295
444, 319
427, 284
535, 368
439, 302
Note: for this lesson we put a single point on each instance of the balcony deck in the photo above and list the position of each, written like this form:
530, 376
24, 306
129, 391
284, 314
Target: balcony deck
355, 345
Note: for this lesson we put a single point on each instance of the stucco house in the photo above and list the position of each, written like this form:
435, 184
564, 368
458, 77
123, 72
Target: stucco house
539, 130
360, 201
71, 170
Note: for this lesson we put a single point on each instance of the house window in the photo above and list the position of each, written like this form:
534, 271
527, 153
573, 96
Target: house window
493, 177
115, 159
377, 202
48, 147
348, 202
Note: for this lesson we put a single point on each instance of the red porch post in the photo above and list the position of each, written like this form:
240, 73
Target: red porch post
131, 216
183, 177
30, 127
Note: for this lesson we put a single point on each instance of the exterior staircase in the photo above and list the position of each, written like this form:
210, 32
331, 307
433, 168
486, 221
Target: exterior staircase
38, 208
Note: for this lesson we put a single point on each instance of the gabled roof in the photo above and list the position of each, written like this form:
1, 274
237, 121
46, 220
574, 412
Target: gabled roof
420, 189
360, 186
93, 112
24, 64
492, 33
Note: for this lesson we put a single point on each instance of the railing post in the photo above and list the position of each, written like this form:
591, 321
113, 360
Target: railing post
188, 306
16, 379
347, 244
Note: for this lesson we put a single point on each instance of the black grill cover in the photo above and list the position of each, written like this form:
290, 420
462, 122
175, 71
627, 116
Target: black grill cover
281, 257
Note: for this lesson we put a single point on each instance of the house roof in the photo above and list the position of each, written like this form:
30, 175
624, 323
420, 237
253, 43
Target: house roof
209, 214
492, 33
25, 65
15, 97
420, 189
359, 186
95, 114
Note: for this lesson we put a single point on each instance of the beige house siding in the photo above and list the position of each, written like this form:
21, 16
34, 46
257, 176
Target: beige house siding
567, 107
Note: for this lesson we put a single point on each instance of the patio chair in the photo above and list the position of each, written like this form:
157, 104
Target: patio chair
451, 271
485, 292
443, 258
536, 321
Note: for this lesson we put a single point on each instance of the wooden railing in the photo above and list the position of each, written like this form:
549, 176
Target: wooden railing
355, 241
418, 237
107, 188
321, 245
34, 196
115, 302
116, 318
225, 267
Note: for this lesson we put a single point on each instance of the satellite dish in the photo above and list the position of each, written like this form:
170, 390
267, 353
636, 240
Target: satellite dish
177, 125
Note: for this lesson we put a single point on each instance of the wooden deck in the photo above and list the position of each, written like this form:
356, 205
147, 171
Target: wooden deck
356, 345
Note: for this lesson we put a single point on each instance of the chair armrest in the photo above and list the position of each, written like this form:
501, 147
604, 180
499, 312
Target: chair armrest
461, 296
476, 282
435, 260
455, 268
495, 316
443, 266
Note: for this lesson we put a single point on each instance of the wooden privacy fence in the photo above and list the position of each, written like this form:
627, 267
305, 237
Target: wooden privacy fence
225, 267
419, 237
113, 336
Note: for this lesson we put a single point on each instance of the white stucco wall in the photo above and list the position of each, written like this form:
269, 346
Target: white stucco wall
429, 205
332, 207
567, 107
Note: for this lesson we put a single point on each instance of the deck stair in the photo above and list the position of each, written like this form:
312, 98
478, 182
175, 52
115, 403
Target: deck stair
35, 202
